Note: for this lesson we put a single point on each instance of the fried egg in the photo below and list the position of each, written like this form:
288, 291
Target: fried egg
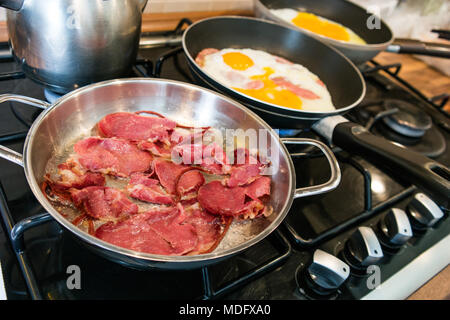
319, 25
268, 78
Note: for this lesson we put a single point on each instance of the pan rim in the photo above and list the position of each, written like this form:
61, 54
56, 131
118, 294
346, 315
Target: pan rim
92, 240
368, 46
320, 114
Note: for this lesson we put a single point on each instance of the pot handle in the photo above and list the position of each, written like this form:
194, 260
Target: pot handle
335, 177
5, 152
15, 5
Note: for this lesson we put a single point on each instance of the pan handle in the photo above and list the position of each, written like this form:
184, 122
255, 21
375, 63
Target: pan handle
429, 175
335, 177
26, 100
5, 152
11, 155
421, 48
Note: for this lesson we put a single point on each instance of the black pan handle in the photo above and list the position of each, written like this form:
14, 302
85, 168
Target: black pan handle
427, 174
15, 5
418, 47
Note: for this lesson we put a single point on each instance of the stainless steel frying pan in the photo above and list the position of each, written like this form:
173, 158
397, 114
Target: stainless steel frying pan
356, 18
75, 114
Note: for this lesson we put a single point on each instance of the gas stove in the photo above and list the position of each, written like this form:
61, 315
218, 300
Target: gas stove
374, 237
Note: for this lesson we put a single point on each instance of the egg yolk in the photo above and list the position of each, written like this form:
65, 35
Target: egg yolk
237, 60
325, 28
270, 93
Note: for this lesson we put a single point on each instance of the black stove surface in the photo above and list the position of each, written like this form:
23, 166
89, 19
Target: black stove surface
272, 269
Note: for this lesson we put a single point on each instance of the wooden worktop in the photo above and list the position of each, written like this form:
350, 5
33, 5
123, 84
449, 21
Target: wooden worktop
430, 81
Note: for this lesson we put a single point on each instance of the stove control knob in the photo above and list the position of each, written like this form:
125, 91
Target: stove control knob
362, 249
327, 271
423, 211
395, 228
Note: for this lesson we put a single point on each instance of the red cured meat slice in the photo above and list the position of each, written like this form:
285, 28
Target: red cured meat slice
211, 157
155, 148
186, 136
246, 168
191, 154
112, 156
136, 234
158, 232
258, 188
243, 174
143, 179
168, 173
181, 237
200, 59
251, 210
103, 203
207, 227
320, 82
134, 127
190, 181
243, 156
71, 177
235, 77
254, 85
218, 199
144, 188
301, 92
214, 154
282, 60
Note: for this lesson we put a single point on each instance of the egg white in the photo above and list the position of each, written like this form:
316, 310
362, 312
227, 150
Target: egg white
297, 74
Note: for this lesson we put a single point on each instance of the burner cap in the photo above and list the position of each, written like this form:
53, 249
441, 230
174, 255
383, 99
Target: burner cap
409, 121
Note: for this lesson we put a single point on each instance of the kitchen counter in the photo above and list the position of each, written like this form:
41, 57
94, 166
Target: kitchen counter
427, 79
438, 288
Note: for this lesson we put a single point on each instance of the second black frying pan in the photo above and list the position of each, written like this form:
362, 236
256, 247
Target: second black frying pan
342, 78
376, 33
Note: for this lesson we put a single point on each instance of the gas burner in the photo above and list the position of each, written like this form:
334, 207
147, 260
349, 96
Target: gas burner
409, 126
408, 120
288, 133
432, 144
51, 96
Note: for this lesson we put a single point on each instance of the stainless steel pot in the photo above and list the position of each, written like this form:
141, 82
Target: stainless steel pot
66, 44
75, 114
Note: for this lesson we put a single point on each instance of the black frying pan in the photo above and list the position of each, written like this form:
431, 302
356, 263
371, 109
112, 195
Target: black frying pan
344, 81
379, 37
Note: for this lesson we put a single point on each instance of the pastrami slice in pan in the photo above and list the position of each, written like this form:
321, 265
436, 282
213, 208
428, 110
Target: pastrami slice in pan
112, 156
103, 203
135, 127
147, 189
